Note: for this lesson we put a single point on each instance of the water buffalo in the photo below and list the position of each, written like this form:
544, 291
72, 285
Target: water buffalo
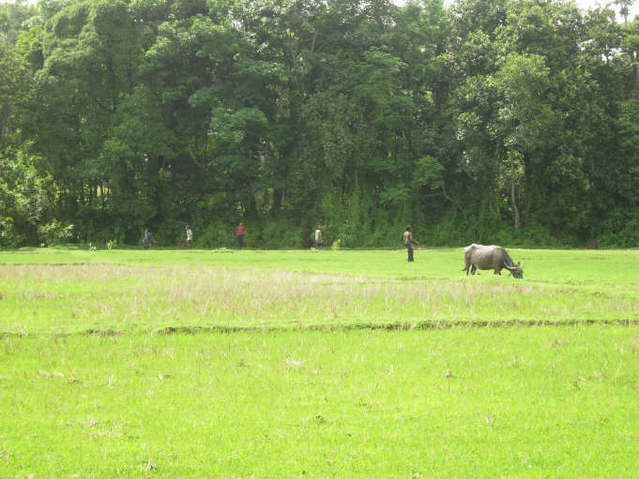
478, 256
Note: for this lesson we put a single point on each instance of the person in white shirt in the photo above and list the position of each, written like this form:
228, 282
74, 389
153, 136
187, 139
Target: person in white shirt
318, 237
189, 236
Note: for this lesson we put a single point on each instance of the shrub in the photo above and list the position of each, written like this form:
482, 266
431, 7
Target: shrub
55, 232
9, 238
215, 235
621, 230
278, 234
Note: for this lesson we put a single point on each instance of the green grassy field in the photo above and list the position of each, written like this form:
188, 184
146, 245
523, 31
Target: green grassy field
62, 291
293, 373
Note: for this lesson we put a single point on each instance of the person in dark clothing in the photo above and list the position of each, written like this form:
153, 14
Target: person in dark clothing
239, 234
408, 240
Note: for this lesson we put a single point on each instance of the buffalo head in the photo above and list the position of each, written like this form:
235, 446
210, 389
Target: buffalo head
517, 271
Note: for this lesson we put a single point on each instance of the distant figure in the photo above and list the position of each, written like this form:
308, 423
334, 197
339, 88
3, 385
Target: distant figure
408, 240
318, 237
239, 234
189, 236
148, 239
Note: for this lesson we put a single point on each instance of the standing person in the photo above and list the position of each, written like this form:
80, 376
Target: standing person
408, 240
189, 236
148, 239
318, 237
239, 234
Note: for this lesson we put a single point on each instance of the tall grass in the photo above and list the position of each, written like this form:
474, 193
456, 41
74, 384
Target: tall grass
68, 298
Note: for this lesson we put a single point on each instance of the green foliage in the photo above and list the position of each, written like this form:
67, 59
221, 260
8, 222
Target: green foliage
620, 228
54, 233
511, 119
278, 233
9, 238
217, 234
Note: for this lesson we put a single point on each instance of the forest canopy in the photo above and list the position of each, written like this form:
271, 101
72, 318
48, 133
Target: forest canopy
500, 121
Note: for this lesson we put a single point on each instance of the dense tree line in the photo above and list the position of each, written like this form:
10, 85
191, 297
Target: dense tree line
511, 121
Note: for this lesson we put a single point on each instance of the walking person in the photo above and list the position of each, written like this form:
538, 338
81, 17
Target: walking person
189, 237
318, 238
239, 234
408, 240
148, 239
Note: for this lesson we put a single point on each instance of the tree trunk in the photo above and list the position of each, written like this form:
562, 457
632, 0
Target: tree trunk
513, 201
278, 195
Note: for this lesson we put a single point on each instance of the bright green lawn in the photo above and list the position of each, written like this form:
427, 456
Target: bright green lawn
113, 397
514, 402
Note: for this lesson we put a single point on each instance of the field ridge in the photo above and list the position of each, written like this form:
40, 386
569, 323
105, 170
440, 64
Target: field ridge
392, 326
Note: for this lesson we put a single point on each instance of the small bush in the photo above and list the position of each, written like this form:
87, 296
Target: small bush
280, 234
9, 238
621, 230
55, 232
215, 235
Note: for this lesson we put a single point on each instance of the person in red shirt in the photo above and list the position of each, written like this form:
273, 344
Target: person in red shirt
239, 234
